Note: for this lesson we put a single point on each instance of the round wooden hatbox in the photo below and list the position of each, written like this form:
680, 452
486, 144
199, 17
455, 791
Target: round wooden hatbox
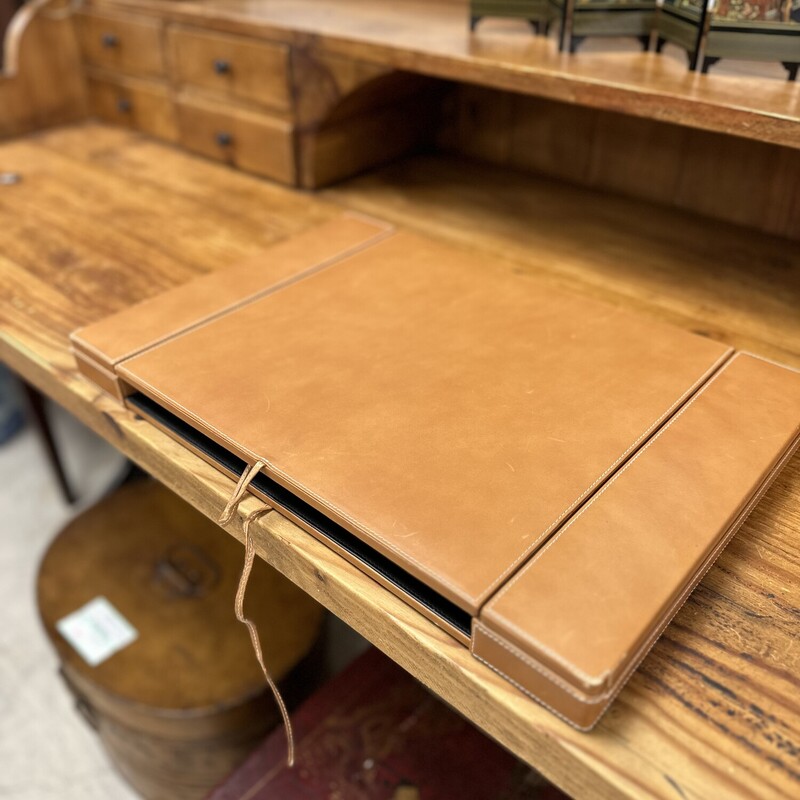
183, 703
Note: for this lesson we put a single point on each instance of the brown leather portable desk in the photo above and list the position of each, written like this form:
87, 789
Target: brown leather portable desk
545, 476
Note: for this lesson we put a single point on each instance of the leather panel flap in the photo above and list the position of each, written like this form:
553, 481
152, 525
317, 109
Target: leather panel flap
133, 330
588, 606
448, 411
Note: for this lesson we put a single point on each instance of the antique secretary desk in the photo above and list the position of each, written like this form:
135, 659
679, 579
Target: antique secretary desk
613, 173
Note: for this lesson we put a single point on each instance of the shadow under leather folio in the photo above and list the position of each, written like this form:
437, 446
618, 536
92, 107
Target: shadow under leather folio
545, 476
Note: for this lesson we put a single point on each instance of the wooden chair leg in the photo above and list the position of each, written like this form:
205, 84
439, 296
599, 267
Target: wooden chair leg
575, 42
38, 416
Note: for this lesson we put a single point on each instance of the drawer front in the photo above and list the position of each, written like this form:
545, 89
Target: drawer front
124, 44
239, 68
250, 141
142, 105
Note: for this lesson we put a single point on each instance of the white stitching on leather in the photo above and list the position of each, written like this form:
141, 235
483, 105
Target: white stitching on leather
540, 668
550, 528
245, 301
680, 601
612, 481
533, 697
584, 728
770, 361
78, 356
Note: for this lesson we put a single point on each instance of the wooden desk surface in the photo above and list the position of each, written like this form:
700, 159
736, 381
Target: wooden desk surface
431, 37
103, 218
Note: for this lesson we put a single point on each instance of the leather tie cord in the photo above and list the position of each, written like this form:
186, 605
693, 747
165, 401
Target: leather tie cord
249, 557
238, 493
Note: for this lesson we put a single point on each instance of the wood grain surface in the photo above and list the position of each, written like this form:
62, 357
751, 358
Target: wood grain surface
432, 38
712, 174
104, 217
122, 42
138, 103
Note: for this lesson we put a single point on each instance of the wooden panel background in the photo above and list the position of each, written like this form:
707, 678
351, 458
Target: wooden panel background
7, 10
41, 83
723, 177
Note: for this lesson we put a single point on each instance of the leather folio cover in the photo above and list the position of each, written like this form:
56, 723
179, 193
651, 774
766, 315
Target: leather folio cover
545, 476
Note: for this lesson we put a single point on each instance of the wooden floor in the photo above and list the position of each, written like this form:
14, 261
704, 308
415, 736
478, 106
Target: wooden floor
103, 217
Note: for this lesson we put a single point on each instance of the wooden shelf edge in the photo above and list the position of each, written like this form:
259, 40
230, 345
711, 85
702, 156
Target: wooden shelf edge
674, 103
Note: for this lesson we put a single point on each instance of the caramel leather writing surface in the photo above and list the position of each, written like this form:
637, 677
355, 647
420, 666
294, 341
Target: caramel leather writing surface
425, 401
128, 332
554, 469
580, 615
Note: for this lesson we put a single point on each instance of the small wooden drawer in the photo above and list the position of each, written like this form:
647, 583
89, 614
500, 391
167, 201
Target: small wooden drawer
245, 139
125, 44
139, 104
242, 69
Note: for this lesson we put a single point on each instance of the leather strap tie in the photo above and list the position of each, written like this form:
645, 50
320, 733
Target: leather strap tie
249, 557
238, 493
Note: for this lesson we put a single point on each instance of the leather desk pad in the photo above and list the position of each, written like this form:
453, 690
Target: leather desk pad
556, 470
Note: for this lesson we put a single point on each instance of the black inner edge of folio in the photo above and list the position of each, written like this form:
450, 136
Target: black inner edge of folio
413, 587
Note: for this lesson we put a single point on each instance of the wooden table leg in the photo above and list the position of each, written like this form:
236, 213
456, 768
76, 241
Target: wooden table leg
38, 416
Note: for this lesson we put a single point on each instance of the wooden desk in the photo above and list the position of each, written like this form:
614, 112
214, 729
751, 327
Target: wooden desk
313, 91
104, 217
432, 37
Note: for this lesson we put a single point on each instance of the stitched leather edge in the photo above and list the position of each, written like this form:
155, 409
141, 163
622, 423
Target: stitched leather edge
614, 478
526, 635
679, 602
387, 231
697, 387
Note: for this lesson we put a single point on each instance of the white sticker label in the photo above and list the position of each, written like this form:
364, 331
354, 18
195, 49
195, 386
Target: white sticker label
97, 631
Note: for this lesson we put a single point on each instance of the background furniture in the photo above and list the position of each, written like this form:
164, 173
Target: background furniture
708, 35
37, 407
582, 18
539, 13
7, 10
185, 702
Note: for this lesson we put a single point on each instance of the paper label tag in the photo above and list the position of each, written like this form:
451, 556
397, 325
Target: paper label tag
97, 631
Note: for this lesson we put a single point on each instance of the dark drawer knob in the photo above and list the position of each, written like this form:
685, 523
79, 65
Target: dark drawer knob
109, 40
222, 67
224, 139
123, 105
